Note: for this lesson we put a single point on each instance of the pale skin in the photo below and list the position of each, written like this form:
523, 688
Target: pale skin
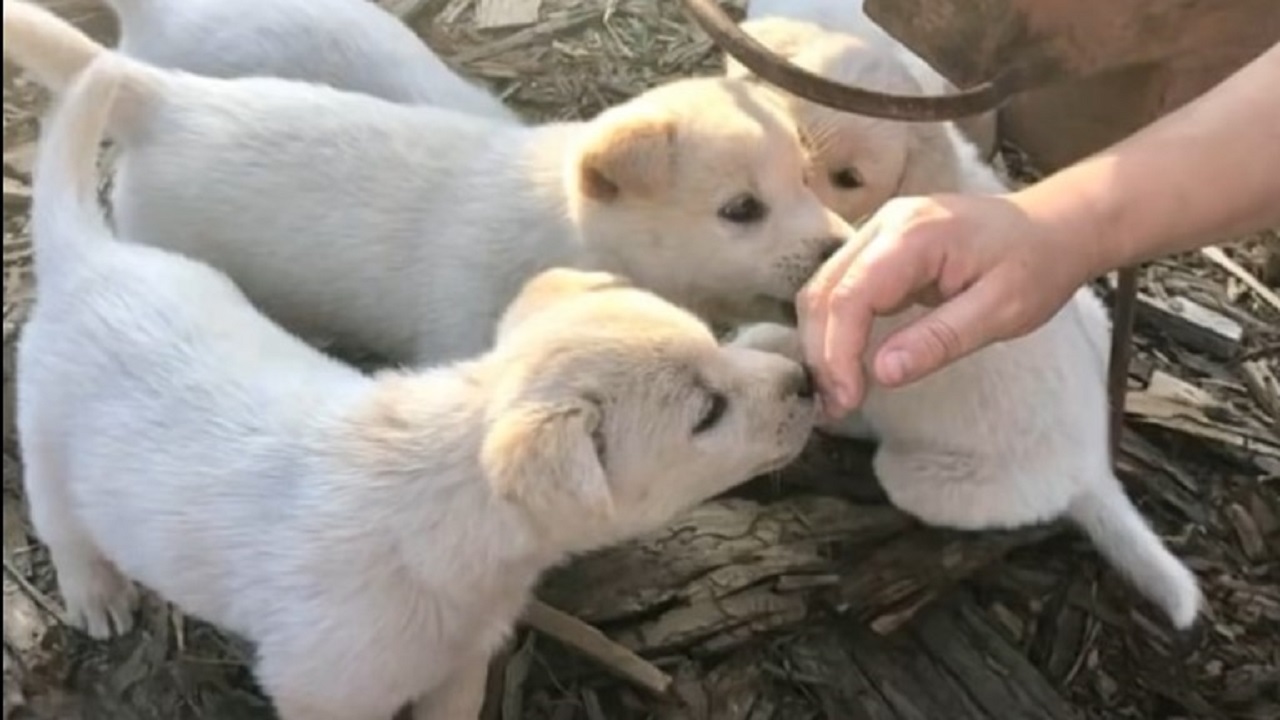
997, 267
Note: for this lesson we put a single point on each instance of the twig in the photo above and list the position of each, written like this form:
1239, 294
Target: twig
1261, 353
40, 599
1265, 388
514, 675
575, 634
1222, 260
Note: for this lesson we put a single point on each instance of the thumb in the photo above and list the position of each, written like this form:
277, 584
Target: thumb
944, 335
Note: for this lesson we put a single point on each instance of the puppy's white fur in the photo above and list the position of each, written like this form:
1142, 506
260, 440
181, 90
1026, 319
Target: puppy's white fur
863, 161
349, 44
1015, 433
848, 17
406, 230
374, 536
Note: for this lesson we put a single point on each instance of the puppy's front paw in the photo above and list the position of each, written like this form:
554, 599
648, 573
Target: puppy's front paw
100, 601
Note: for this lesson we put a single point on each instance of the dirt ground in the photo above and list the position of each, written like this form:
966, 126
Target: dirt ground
1201, 455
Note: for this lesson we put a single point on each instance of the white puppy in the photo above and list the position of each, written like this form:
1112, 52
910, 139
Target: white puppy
1015, 433
848, 17
863, 161
349, 44
405, 230
376, 537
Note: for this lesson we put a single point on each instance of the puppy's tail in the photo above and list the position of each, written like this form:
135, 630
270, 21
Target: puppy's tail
1124, 538
66, 218
50, 49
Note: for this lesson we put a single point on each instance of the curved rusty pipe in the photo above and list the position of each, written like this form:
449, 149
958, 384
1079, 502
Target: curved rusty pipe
813, 87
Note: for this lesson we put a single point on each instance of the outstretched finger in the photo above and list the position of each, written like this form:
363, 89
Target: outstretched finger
814, 305
955, 329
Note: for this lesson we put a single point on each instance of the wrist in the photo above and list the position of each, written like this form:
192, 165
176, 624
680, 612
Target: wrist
1075, 225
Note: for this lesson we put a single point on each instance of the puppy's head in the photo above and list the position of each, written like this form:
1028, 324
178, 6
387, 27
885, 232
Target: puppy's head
861, 162
699, 190
615, 410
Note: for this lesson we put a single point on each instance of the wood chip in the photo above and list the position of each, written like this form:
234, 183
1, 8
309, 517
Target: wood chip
16, 192
1265, 388
492, 14
1194, 325
1247, 532
1221, 259
21, 158
1164, 385
1189, 420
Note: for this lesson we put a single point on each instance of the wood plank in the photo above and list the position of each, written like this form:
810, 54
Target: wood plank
1192, 324
997, 676
952, 663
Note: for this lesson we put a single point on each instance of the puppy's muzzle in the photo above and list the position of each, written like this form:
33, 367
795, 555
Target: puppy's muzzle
827, 248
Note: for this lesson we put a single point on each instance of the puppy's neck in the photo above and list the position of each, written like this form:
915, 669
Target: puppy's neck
537, 163
526, 167
942, 160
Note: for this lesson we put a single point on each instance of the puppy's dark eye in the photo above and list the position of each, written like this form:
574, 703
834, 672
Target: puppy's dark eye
744, 209
846, 179
712, 413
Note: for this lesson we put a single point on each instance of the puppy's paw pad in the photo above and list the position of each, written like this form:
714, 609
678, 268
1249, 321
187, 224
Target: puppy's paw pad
102, 605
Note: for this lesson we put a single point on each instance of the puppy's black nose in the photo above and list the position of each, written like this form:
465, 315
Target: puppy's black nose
803, 385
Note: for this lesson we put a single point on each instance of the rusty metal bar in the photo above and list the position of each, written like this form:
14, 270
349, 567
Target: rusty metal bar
1125, 308
813, 87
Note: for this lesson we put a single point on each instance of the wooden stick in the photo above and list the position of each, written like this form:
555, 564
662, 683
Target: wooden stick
42, 601
579, 636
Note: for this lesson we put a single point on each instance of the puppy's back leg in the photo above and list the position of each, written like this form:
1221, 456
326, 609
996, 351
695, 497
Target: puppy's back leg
99, 599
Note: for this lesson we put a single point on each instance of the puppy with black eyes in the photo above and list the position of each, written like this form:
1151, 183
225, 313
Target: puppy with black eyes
404, 231
374, 536
849, 17
861, 162
1013, 434
348, 44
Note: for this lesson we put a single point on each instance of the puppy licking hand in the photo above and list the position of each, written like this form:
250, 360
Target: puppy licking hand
375, 537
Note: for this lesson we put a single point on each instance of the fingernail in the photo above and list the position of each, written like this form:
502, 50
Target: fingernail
895, 367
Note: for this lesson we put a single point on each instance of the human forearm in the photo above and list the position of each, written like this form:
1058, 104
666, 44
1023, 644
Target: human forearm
1205, 172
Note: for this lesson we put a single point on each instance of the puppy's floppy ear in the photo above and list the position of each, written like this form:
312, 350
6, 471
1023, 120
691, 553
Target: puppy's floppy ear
632, 153
550, 287
543, 455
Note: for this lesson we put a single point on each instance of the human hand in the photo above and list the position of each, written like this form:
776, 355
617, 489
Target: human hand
993, 269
